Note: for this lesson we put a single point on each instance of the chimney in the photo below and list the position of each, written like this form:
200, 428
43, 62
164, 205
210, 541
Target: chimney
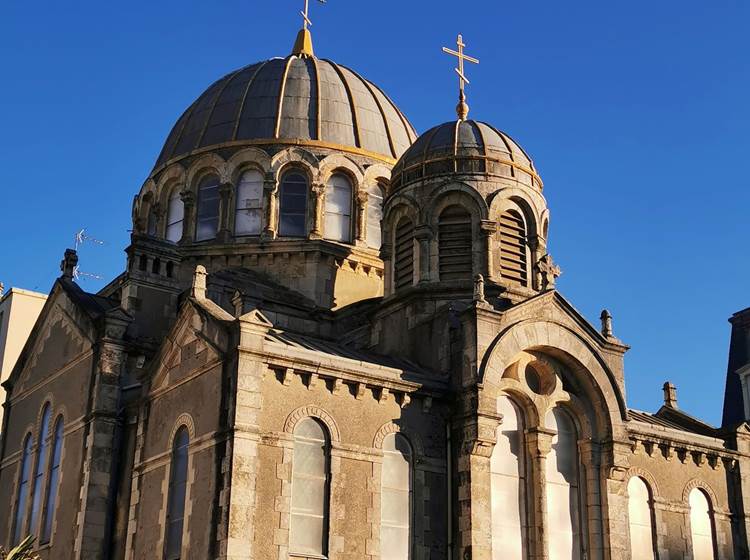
69, 263
199, 282
670, 395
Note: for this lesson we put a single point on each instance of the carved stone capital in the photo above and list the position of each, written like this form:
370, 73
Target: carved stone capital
488, 227
188, 197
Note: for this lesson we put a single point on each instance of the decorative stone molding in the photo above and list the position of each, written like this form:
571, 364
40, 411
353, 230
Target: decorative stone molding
392, 428
647, 477
314, 412
186, 420
697, 483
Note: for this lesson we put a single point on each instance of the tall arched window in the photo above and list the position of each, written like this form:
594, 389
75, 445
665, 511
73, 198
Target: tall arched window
701, 525
454, 244
338, 208
53, 480
175, 216
249, 206
207, 223
23, 491
176, 496
396, 499
153, 222
41, 467
508, 486
293, 205
374, 216
641, 519
563, 497
308, 531
403, 264
513, 257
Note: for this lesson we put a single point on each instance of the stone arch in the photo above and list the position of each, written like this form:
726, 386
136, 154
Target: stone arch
186, 420
647, 477
453, 192
295, 157
205, 165
529, 409
174, 173
248, 158
337, 163
706, 488
380, 174
48, 400
312, 411
566, 345
392, 428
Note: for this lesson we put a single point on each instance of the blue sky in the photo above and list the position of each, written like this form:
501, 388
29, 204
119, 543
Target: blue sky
636, 114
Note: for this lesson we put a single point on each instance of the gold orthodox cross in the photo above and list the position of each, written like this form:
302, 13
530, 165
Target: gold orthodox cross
306, 13
462, 108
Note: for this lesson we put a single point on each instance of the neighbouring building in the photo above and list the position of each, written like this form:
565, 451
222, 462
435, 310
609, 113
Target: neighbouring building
337, 338
19, 310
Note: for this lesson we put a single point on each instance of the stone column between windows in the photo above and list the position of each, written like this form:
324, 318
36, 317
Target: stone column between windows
188, 216
361, 223
476, 437
92, 521
423, 235
486, 266
271, 195
539, 444
386, 255
590, 455
319, 194
614, 469
226, 191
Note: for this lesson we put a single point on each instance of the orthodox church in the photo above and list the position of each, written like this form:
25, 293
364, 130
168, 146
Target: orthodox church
338, 339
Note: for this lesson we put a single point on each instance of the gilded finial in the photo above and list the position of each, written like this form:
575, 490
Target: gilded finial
462, 109
303, 44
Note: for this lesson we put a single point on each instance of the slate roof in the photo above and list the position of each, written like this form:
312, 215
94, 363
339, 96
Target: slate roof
291, 98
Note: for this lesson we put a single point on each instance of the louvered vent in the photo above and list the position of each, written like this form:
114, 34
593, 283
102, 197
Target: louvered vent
513, 259
404, 254
454, 244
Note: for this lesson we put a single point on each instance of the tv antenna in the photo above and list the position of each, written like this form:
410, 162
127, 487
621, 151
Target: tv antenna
79, 274
81, 237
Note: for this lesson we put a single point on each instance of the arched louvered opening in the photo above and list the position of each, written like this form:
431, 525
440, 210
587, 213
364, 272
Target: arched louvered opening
701, 525
513, 248
403, 254
508, 485
396, 499
640, 519
454, 244
207, 220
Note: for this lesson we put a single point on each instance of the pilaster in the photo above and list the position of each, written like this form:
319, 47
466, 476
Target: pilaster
224, 233
423, 235
538, 444
271, 194
361, 223
188, 223
319, 194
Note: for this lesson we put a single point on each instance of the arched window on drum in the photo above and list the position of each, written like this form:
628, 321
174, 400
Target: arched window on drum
207, 223
396, 499
513, 248
293, 205
175, 217
374, 216
563, 494
249, 203
508, 486
454, 244
338, 225
701, 525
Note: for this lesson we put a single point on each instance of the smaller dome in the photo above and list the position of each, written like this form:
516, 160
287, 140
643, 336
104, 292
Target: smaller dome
465, 147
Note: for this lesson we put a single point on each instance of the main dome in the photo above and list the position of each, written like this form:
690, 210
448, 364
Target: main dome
292, 100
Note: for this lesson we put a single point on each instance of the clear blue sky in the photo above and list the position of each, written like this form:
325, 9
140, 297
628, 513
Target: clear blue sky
636, 114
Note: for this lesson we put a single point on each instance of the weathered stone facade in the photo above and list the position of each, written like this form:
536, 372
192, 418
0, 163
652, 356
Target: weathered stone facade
236, 340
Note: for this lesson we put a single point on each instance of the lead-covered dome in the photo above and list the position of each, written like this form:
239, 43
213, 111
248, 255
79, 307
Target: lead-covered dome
465, 147
288, 100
